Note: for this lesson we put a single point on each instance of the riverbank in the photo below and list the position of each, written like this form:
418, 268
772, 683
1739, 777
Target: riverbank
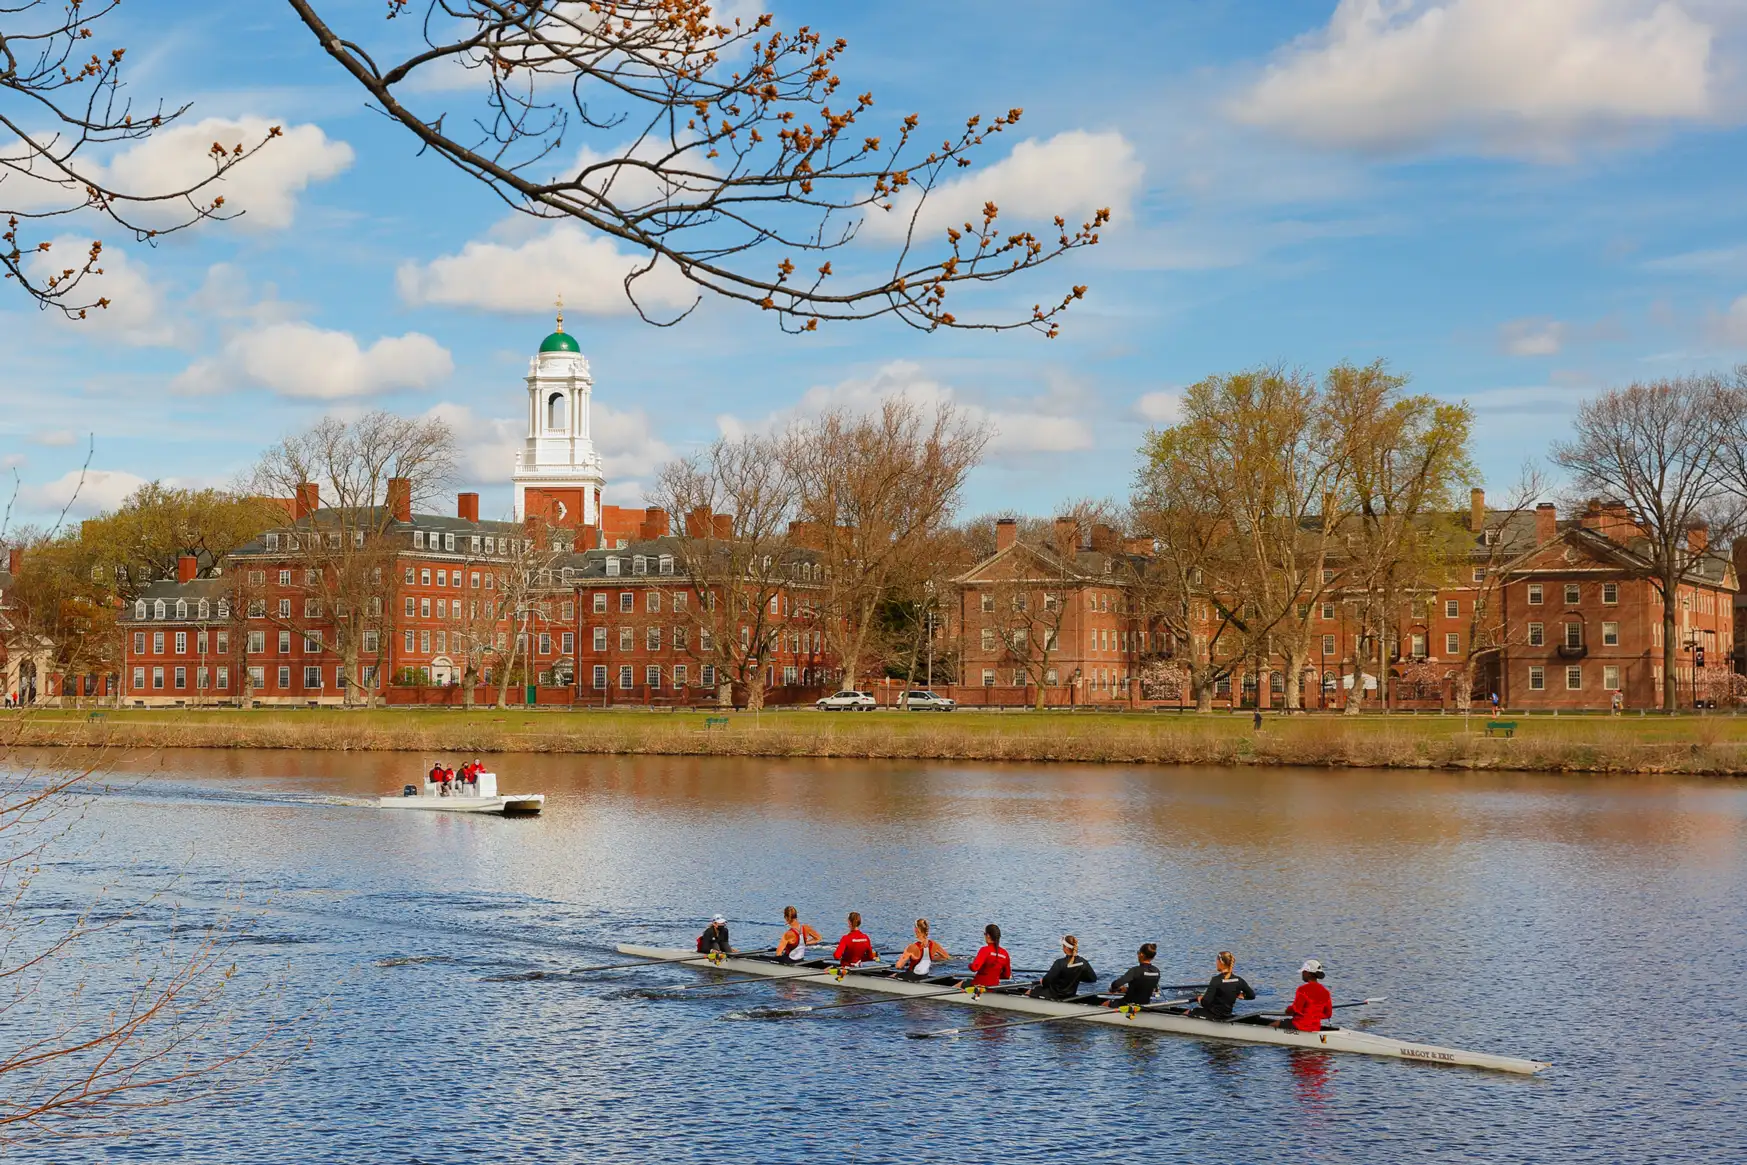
1702, 745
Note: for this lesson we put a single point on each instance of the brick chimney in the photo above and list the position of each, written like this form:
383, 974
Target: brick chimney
14, 560
697, 523
1067, 534
655, 522
1006, 532
307, 501
467, 507
1546, 522
722, 526
188, 567
1138, 547
1698, 537
400, 498
1106, 539
1476, 511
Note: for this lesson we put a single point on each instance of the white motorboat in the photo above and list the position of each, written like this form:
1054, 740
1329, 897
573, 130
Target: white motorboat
481, 797
886, 982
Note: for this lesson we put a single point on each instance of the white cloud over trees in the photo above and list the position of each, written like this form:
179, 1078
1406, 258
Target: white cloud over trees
300, 360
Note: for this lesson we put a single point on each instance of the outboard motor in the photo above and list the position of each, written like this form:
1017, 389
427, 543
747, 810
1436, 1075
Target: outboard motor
408, 791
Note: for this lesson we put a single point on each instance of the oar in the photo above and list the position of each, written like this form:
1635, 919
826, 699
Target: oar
747, 979
1091, 1013
780, 1012
695, 957
1332, 1007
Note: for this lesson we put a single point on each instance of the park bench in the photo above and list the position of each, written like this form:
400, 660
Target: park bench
1501, 727
95, 716
715, 722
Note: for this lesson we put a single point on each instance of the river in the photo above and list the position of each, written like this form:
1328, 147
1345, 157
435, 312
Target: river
1597, 923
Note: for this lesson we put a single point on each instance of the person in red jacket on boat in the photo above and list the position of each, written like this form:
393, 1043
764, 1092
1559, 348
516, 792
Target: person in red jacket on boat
992, 963
854, 948
1312, 1004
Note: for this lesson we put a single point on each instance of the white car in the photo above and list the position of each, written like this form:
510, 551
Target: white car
921, 701
848, 702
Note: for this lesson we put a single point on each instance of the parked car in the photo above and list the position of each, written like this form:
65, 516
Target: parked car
847, 701
921, 701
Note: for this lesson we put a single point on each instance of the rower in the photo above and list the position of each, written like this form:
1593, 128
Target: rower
1062, 981
1139, 982
793, 946
1312, 1004
854, 948
715, 938
992, 963
1223, 991
918, 958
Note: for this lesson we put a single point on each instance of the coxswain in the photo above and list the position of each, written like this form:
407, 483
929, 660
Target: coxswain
992, 963
854, 948
918, 958
1312, 1004
793, 946
1062, 981
1223, 991
1139, 983
715, 938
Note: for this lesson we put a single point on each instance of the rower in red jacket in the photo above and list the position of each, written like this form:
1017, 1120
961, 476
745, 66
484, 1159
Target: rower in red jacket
854, 948
1313, 1004
992, 963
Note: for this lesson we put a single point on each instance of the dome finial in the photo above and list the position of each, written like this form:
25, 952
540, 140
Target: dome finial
561, 311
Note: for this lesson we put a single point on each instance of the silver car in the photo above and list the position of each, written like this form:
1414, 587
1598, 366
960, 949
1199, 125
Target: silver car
922, 701
847, 701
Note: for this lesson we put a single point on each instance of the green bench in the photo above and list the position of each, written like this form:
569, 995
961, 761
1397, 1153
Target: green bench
715, 722
95, 716
1506, 727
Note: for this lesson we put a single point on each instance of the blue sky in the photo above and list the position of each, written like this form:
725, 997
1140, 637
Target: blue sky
1517, 202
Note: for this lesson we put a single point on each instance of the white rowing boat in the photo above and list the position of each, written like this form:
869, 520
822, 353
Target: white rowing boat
485, 799
882, 982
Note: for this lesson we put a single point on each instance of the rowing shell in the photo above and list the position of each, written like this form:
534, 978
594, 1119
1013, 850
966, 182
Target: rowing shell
1335, 1040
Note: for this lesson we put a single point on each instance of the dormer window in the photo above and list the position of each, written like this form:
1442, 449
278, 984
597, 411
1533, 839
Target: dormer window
490, 545
139, 609
224, 609
181, 609
448, 542
159, 611
272, 542
473, 545
204, 609
639, 564
418, 539
612, 568
667, 564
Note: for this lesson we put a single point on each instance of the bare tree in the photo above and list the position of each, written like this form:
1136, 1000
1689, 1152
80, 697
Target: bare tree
61, 107
874, 493
1028, 595
733, 504
347, 550
1662, 449
733, 157
524, 598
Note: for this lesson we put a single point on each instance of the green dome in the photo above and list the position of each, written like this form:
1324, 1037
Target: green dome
559, 342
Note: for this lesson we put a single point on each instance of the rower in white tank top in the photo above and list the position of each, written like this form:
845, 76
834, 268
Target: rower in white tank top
918, 958
793, 947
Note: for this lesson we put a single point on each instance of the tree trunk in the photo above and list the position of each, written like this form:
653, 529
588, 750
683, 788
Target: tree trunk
1294, 695
509, 669
467, 684
1670, 681
1203, 694
755, 689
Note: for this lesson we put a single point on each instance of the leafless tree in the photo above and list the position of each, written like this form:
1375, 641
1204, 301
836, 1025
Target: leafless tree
1665, 450
62, 106
524, 598
874, 494
1027, 596
727, 152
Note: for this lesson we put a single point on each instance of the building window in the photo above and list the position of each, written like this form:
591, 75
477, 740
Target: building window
627, 602
181, 679
284, 679
1534, 594
224, 679
285, 608
1479, 574
600, 677
257, 679
418, 539
667, 564
424, 608
627, 639
223, 640
1610, 678
1328, 644
181, 643
652, 677
1574, 678
639, 564
158, 678
1328, 575
1573, 635
600, 602
1537, 634
424, 643
567, 643
1049, 601
988, 677
600, 638
1610, 593
988, 639
139, 642
159, 610
1452, 644
272, 542
1328, 612
612, 567
285, 643
679, 675
257, 643
680, 603
312, 679
1452, 608
988, 602
624, 677
448, 542
406, 643
1573, 594
139, 609
157, 643
1537, 679
1610, 634
545, 643
652, 639
707, 676
139, 679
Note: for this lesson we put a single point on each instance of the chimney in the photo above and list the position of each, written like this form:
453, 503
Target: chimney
188, 567
1591, 516
15, 560
1698, 537
1106, 539
400, 498
589, 538
1006, 532
467, 507
1067, 534
655, 522
697, 522
1138, 547
1546, 522
307, 501
722, 526
1476, 511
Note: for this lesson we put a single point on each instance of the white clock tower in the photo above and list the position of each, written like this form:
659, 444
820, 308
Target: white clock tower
558, 473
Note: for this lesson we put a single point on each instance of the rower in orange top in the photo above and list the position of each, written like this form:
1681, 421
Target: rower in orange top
854, 948
793, 946
992, 963
918, 958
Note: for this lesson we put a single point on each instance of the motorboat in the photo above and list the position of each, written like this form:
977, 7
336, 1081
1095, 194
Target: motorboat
481, 796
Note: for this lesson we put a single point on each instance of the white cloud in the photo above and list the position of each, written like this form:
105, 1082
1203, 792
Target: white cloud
56, 438
1730, 327
1045, 425
265, 187
1071, 174
303, 361
14, 461
629, 447
1536, 77
1533, 337
90, 491
138, 313
589, 271
1164, 407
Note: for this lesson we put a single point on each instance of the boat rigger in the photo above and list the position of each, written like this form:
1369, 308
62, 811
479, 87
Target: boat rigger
1086, 1009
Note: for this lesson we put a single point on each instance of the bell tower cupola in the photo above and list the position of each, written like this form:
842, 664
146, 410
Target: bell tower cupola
558, 475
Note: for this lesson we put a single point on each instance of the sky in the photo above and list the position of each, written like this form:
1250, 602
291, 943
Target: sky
1517, 203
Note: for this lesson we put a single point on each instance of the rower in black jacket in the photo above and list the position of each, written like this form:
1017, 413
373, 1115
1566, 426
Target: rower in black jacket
1139, 982
1223, 991
1062, 981
715, 937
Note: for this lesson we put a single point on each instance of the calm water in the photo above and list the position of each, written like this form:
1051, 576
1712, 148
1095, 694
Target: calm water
1598, 924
